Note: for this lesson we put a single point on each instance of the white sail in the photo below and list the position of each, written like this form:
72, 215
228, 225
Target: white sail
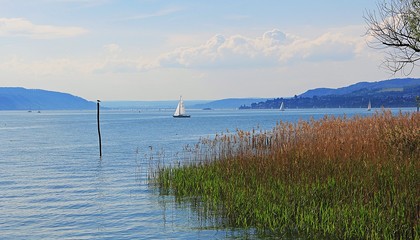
180, 109
369, 106
177, 111
282, 106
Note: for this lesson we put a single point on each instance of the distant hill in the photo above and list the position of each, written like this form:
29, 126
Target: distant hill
229, 103
386, 84
17, 98
388, 93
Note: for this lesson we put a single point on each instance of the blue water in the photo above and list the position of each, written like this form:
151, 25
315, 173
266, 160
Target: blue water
53, 185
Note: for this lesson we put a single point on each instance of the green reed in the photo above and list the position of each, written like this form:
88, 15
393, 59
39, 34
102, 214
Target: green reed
345, 178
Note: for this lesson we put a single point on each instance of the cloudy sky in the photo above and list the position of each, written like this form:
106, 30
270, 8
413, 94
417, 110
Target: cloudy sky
158, 50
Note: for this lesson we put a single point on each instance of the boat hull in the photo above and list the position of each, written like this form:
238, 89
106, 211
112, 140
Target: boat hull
181, 116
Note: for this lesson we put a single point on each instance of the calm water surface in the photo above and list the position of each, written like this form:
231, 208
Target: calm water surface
53, 185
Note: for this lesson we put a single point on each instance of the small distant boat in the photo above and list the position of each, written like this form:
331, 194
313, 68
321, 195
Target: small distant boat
369, 106
180, 110
282, 106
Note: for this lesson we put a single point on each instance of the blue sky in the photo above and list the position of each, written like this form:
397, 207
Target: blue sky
158, 50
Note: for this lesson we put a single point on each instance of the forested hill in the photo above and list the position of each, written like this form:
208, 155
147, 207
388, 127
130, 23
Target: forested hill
388, 93
17, 98
395, 84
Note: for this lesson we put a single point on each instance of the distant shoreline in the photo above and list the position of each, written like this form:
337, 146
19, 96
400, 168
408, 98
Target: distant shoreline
394, 93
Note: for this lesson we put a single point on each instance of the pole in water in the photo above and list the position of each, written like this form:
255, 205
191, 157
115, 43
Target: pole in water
99, 129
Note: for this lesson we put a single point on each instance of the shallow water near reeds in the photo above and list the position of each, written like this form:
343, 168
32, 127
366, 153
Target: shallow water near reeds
53, 184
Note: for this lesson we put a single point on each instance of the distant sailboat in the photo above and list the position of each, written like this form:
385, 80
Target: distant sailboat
180, 110
369, 106
282, 106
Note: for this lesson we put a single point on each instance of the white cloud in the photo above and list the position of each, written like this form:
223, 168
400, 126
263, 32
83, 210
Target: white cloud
218, 51
327, 47
24, 28
112, 60
274, 48
274, 36
116, 66
45, 67
112, 48
116, 60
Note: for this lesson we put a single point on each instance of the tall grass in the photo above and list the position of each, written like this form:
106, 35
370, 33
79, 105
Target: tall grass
338, 177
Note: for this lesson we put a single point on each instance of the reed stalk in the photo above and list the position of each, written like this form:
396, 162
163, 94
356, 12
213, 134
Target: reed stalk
338, 177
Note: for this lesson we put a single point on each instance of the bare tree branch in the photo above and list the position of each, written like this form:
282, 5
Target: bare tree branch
396, 28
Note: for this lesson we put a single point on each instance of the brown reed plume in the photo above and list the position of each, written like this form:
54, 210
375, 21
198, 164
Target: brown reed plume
335, 177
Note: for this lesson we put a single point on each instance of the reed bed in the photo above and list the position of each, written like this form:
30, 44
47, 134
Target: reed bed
338, 177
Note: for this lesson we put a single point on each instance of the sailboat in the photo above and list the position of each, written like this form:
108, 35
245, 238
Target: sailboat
180, 110
369, 106
282, 106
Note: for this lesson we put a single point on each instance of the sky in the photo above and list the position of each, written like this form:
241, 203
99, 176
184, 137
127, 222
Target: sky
203, 50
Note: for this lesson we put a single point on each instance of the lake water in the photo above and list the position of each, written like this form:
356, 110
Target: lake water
53, 185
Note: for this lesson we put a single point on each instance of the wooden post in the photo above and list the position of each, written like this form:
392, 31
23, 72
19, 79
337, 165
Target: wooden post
99, 129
